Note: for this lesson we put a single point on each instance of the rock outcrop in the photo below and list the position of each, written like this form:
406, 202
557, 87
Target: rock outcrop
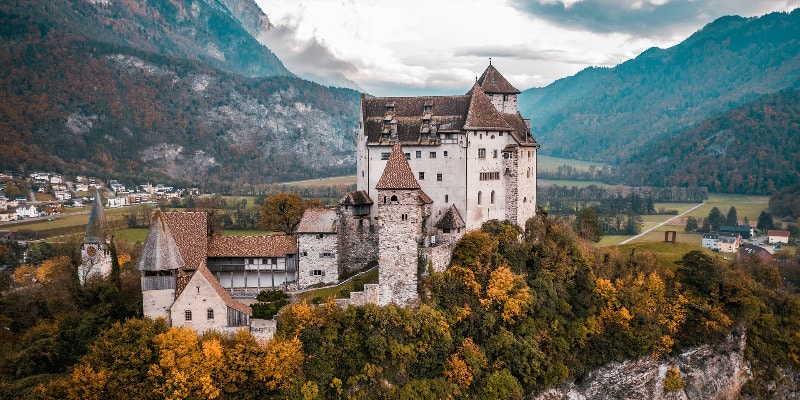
707, 372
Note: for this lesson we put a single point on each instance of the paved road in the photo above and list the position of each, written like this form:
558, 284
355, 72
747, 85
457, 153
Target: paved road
632, 238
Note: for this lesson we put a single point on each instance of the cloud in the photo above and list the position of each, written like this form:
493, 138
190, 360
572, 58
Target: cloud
651, 18
309, 58
528, 53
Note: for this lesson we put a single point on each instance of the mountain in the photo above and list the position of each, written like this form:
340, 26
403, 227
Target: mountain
609, 114
164, 89
752, 149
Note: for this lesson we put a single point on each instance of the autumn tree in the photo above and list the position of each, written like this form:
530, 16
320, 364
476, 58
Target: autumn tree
282, 212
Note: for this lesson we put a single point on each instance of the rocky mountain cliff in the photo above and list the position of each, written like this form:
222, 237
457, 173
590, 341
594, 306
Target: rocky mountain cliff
177, 91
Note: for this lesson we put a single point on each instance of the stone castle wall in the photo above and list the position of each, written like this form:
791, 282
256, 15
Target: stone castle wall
358, 242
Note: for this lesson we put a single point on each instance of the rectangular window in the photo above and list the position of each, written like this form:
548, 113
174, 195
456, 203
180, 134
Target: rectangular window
439, 177
481, 153
320, 235
408, 156
187, 315
326, 254
494, 153
317, 272
446, 198
445, 153
432, 154
421, 175
385, 156
418, 154
489, 176
210, 314
303, 254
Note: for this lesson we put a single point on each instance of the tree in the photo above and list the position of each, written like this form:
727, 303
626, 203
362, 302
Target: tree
691, 224
732, 219
765, 222
282, 212
588, 226
715, 219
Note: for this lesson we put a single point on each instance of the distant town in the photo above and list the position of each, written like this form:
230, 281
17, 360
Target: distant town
44, 194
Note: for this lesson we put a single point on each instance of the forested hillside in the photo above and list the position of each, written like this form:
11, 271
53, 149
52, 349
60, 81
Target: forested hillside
753, 149
610, 114
120, 108
509, 318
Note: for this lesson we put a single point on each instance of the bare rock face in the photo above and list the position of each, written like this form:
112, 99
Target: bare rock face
708, 372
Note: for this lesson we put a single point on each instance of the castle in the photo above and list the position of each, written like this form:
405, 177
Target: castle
428, 170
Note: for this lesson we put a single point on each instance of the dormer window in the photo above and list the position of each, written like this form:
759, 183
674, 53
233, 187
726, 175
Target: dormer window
427, 108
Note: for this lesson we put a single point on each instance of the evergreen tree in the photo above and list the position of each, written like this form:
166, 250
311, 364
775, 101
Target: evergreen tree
691, 224
715, 219
732, 219
765, 222
588, 226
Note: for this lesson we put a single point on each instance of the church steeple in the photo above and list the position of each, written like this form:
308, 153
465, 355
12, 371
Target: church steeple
96, 229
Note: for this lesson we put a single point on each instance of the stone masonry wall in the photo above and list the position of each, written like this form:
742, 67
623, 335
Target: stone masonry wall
358, 242
318, 259
400, 225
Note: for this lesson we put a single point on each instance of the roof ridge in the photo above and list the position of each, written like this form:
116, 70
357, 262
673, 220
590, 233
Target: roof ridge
482, 114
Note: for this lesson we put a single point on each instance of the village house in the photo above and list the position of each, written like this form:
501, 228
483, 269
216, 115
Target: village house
317, 236
710, 241
27, 211
777, 236
752, 250
728, 243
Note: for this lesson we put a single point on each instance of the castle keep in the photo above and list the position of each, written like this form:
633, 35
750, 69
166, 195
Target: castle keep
429, 169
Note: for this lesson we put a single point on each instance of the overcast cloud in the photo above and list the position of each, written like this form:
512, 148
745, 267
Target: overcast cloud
416, 47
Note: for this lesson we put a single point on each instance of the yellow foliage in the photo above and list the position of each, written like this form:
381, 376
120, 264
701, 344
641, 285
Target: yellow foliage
509, 291
457, 372
185, 365
467, 278
282, 362
123, 258
88, 384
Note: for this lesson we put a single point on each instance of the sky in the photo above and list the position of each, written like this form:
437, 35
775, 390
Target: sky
437, 47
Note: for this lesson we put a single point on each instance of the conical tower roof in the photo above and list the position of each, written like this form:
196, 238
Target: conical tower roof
397, 174
493, 82
160, 252
96, 229
481, 114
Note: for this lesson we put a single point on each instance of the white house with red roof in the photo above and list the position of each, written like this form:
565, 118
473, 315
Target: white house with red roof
776, 236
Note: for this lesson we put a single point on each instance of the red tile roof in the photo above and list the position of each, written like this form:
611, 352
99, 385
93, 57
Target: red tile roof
252, 246
451, 219
317, 220
397, 174
482, 115
357, 198
189, 229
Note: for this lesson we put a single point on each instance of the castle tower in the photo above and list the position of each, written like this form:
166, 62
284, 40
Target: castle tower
402, 212
95, 255
502, 93
159, 263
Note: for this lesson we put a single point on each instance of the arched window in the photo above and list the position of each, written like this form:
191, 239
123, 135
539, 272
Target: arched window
480, 194
491, 197
393, 199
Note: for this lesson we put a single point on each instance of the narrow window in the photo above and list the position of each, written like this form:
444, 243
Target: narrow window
491, 197
421, 175
210, 313
494, 153
439, 177
480, 195
418, 154
187, 315
529, 172
445, 153
404, 217
198, 290
446, 198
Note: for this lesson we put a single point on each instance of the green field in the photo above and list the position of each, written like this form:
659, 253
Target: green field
571, 183
332, 181
547, 163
